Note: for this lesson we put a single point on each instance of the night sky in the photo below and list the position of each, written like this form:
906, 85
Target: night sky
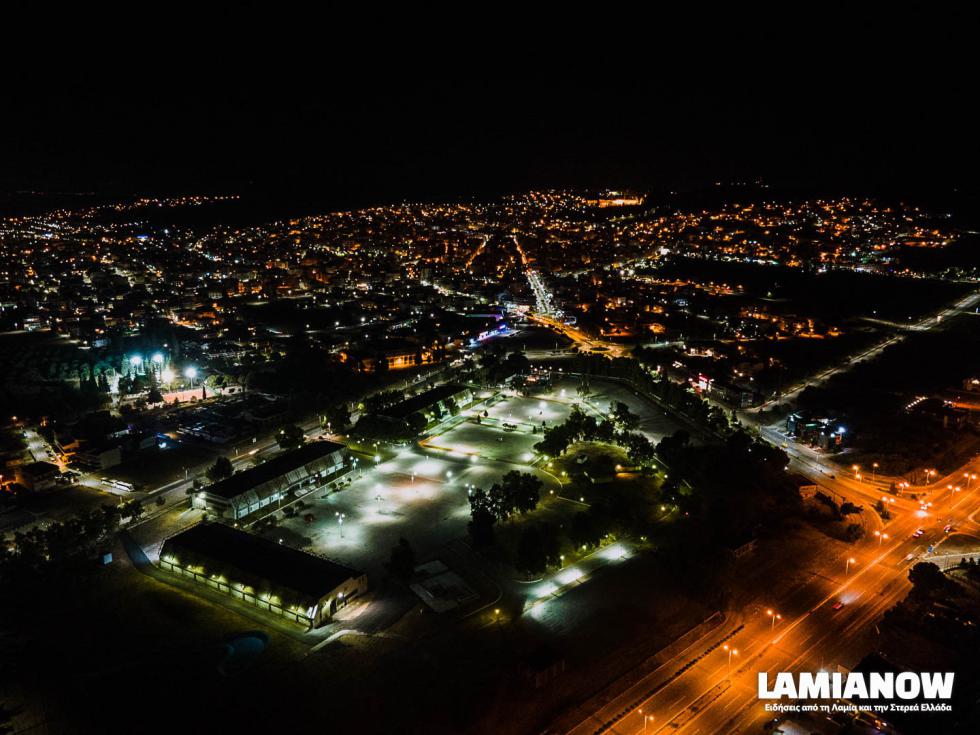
383, 125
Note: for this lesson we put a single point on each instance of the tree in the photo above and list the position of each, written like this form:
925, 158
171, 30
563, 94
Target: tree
926, 579
290, 437
639, 448
337, 416
131, 509
402, 561
585, 530
220, 469
624, 417
480, 528
531, 556
520, 491
416, 422
601, 466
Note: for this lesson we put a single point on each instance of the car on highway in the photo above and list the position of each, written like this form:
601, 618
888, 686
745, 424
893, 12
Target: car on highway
949, 528
918, 533
837, 605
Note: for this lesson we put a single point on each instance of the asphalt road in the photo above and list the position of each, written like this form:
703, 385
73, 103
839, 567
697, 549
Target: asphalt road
708, 697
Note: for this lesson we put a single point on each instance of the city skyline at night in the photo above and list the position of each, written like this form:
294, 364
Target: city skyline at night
514, 397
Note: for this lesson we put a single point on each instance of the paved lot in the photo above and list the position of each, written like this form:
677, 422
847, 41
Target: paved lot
520, 410
420, 495
421, 492
488, 441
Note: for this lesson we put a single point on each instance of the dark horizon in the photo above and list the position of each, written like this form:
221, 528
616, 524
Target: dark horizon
362, 149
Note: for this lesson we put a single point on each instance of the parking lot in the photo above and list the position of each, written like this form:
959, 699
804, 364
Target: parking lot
420, 492
487, 441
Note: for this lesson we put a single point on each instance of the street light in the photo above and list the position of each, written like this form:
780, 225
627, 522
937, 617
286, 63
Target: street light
340, 521
775, 616
847, 566
881, 537
731, 652
874, 467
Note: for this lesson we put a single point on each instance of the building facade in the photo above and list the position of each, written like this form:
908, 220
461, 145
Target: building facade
284, 581
296, 472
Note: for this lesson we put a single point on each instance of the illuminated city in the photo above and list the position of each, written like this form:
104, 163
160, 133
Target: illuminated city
581, 446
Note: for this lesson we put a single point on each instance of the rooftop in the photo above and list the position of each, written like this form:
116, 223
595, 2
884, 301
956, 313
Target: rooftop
276, 467
423, 400
249, 559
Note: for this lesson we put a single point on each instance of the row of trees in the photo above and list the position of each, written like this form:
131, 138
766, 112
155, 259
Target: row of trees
43, 548
580, 426
516, 493
641, 372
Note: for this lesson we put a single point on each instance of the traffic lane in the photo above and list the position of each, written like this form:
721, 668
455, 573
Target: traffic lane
867, 594
825, 640
659, 675
817, 643
812, 622
821, 591
828, 636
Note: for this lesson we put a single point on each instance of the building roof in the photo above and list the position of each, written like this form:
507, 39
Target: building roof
39, 469
423, 400
274, 469
266, 566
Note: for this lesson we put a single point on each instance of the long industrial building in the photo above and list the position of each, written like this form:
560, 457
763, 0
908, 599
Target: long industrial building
312, 465
287, 582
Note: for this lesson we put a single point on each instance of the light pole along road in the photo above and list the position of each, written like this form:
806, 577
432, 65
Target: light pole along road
828, 621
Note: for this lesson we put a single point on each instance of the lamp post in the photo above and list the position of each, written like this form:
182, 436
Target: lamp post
731, 652
881, 536
874, 468
847, 566
340, 522
775, 616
